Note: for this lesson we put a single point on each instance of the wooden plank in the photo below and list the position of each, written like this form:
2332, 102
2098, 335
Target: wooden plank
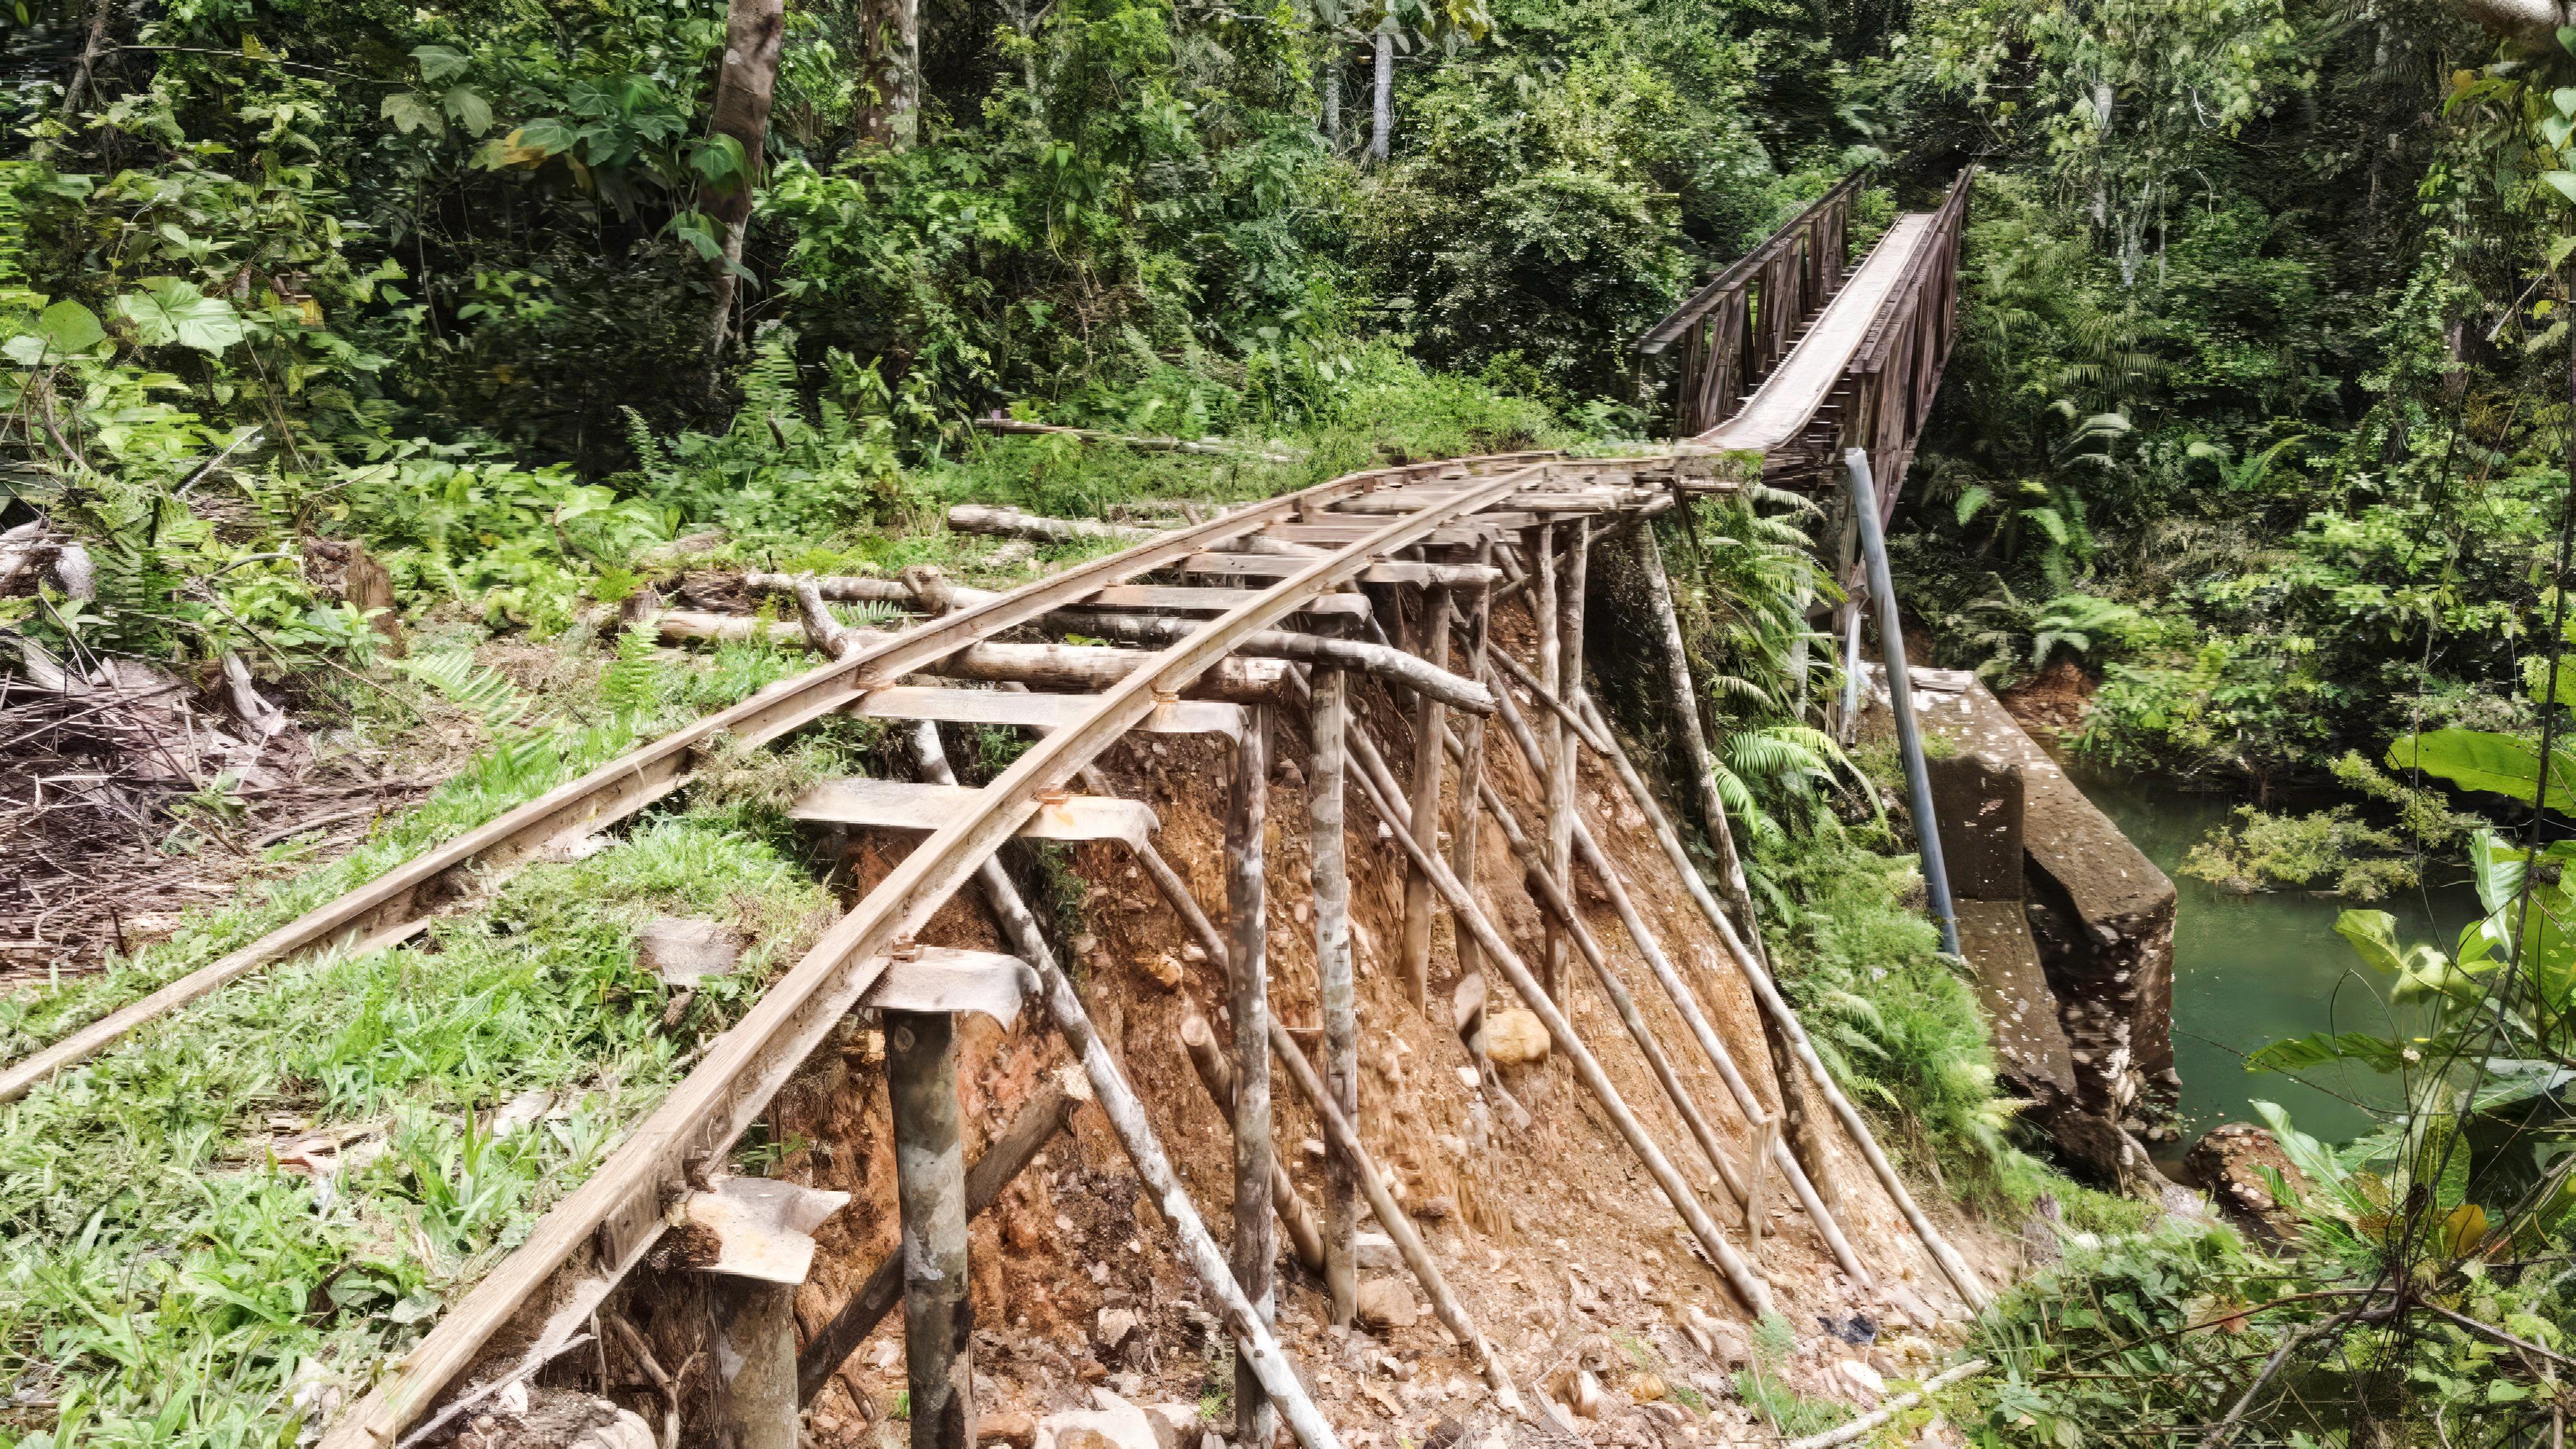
1280, 566
1178, 599
1328, 533
911, 805
1040, 711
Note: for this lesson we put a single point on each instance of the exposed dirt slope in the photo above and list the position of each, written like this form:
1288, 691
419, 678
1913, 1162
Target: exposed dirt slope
1556, 1239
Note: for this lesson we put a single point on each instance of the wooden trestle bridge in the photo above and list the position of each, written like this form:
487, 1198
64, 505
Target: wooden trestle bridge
1269, 607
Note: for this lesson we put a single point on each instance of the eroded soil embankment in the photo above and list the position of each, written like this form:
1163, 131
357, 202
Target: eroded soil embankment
1556, 1240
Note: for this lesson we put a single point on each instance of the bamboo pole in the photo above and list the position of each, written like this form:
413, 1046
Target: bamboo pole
1254, 1342
1427, 761
1305, 1237
1730, 1264
1859, 1429
1777, 1011
1344, 1137
1686, 1001
1247, 973
1329, 713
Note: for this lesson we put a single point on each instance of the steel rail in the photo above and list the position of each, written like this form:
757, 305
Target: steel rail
625, 785
617, 1214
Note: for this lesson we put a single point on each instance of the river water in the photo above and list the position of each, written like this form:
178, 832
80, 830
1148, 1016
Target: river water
2250, 970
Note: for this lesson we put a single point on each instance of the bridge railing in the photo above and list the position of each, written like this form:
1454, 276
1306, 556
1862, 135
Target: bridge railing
1895, 373
1734, 330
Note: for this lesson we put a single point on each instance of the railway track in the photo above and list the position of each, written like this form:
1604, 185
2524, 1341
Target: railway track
1218, 623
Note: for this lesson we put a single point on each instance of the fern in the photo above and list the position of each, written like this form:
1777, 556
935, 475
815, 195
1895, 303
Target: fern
487, 692
869, 614
634, 681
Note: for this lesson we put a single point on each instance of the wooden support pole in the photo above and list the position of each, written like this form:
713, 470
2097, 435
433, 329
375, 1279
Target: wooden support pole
1801, 1122
1547, 612
930, 1188
755, 1362
1427, 762
1040, 1118
1247, 973
1781, 1021
1330, 715
1683, 701
1343, 1136
1305, 1233
1255, 1344
1471, 759
1552, 896
1686, 1001
1390, 807
1568, 684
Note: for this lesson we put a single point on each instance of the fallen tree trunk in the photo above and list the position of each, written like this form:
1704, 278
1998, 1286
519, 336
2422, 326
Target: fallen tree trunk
1013, 523
1057, 667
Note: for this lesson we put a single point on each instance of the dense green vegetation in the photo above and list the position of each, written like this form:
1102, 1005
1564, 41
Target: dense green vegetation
2257, 422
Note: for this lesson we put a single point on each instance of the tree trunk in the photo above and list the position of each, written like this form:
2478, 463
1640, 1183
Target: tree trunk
1382, 99
893, 68
1332, 88
754, 30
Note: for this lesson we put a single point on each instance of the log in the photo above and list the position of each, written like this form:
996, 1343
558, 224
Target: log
1344, 1138
1428, 729
1399, 669
1329, 714
1471, 760
1569, 687
1013, 523
1799, 1117
1247, 921
930, 1190
1066, 668
1686, 1001
1777, 1011
1859, 1429
1390, 807
1046, 1113
1254, 1342
1305, 1237
1554, 898
753, 1389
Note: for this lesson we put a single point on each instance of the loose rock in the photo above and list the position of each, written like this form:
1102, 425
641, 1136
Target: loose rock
1386, 1304
1515, 1038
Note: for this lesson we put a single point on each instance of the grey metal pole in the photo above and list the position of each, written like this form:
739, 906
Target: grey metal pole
1900, 694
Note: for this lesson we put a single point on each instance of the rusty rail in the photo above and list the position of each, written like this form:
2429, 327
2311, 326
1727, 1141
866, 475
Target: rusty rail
1896, 372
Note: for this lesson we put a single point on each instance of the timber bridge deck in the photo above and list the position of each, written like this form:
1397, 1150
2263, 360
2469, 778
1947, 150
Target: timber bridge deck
1270, 606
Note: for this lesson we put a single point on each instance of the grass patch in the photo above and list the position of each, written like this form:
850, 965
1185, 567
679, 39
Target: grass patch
172, 1281
501, 778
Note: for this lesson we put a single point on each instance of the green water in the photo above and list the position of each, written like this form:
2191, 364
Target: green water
2249, 970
